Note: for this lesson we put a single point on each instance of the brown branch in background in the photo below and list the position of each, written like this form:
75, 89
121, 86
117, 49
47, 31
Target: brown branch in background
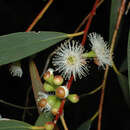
121, 12
39, 16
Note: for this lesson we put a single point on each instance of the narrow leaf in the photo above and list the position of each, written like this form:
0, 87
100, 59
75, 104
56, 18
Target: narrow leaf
86, 125
17, 46
123, 80
43, 118
124, 66
35, 78
128, 53
115, 5
14, 125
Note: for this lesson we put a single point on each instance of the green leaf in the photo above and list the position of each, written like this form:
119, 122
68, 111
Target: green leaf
35, 79
124, 66
14, 125
115, 5
128, 53
86, 125
43, 118
123, 80
16, 46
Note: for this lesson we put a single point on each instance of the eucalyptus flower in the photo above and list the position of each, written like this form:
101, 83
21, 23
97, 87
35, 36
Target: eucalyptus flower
68, 60
42, 102
101, 49
16, 70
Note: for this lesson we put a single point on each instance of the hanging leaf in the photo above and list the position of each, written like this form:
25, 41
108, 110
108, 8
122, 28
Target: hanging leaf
36, 81
86, 125
17, 46
115, 5
43, 118
123, 80
128, 53
14, 125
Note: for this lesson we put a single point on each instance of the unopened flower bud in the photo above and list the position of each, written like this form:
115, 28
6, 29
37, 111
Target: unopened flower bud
58, 80
51, 100
62, 92
55, 108
48, 87
42, 103
49, 126
49, 76
74, 98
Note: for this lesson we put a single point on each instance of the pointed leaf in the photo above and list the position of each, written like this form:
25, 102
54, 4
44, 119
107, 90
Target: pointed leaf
43, 118
35, 78
115, 5
86, 125
17, 46
123, 80
128, 53
14, 125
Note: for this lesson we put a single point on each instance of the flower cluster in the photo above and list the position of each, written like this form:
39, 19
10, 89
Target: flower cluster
53, 83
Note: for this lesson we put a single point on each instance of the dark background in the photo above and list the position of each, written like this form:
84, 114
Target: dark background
64, 16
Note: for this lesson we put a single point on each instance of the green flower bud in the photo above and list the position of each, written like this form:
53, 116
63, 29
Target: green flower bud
49, 76
49, 126
48, 87
58, 80
51, 100
74, 98
55, 108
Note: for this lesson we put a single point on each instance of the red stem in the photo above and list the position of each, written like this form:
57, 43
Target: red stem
89, 22
83, 43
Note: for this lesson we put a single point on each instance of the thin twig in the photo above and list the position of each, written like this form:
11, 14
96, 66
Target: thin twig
39, 16
47, 63
63, 122
94, 116
16, 106
92, 92
121, 12
102, 98
27, 101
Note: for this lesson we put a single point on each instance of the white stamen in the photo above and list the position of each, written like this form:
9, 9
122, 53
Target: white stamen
101, 48
69, 61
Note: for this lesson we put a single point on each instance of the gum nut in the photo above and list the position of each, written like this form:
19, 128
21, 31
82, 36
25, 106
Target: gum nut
48, 87
49, 76
58, 80
55, 108
42, 103
74, 98
49, 126
51, 100
62, 92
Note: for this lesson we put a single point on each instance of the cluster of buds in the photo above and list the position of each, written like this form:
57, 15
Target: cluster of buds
53, 83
